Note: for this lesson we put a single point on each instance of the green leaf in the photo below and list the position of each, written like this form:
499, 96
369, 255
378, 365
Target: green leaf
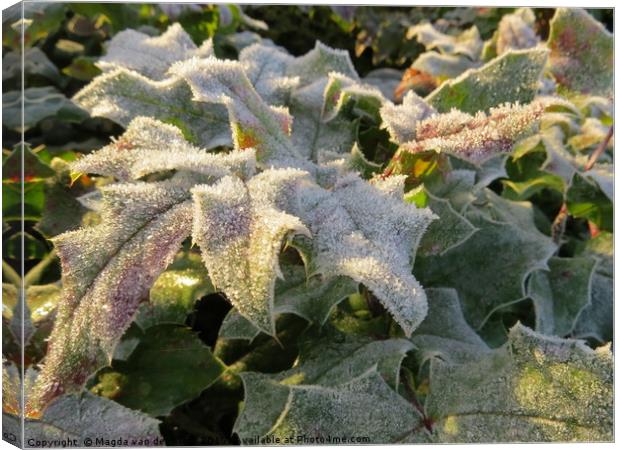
274, 410
488, 87
319, 62
165, 353
35, 62
82, 68
533, 389
506, 248
85, 416
39, 103
514, 32
311, 299
451, 230
445, 334
175, 291
122, 95
235, 326
22, 158
581, 57
585, 199
561, 294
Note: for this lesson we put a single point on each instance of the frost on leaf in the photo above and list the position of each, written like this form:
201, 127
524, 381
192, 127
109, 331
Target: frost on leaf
445, 334
514, 32
596, 320
152, 56
343, 93
581, 56
474, 138
371, 237
106, 270
561, 294
122, 95
467, 43
240, 239
150, 146
533, 389
330, 358
401, 120
84, 415
443, 66
363, 406
486, 87
266, 67
253, 122
319, 62
504, 250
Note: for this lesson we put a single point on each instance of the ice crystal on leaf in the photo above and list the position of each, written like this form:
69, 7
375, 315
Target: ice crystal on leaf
152, 56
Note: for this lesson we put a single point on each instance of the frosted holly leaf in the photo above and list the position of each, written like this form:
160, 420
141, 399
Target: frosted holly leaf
235, 326
467, 43
254, 124
311, 134
150, 146
581, 57
38, 103
319, 62
506, 248
514, 32
533, 389
35, 62
585, 198
561, 294
444, 333
451, 230
401, 120
106, 271
474, 138
596, 320
458, 187
266, 67
364, 406
84, 415
122, 95
443, 66
240, 239
330, 358
345, 94
487, 87
371, 237
174, 293
152, 56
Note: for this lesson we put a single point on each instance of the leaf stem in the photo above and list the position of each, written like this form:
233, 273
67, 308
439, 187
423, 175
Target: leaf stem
599, 150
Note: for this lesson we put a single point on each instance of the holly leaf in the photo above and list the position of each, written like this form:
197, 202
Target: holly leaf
561, 294
107, 270
443, 66
35, 62
39, 103
581, 58
277, 410
506, 248
596, 319
164, 353
83, 415
467, 43
445, 334
485, 88
122, 95
585, 199
152, 56
533, 389
235, 230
